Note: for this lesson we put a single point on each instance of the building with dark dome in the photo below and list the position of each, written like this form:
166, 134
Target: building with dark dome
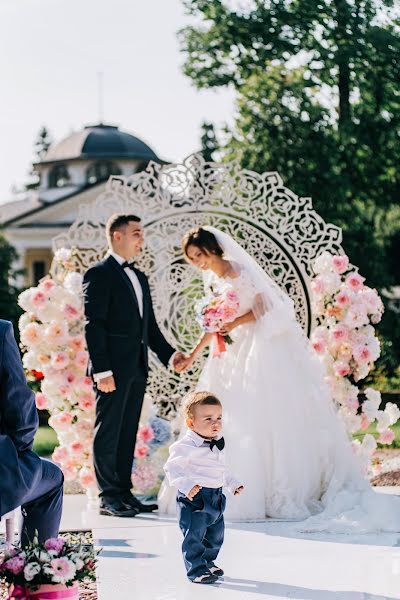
72, 172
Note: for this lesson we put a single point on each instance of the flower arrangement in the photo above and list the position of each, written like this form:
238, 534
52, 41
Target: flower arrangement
346, 310
56, 563
153, 437
215, 310
52, 336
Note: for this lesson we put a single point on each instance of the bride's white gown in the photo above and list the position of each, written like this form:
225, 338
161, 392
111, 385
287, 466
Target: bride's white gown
283, 437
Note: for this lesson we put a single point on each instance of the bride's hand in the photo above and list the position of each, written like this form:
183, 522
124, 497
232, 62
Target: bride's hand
227, 327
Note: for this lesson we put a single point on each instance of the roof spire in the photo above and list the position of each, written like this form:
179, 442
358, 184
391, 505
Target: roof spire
100, 91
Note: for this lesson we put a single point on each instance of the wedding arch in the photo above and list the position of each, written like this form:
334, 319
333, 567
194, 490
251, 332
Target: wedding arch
280, 229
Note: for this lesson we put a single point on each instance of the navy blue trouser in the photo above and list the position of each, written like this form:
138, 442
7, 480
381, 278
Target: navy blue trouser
202, 524
42, 506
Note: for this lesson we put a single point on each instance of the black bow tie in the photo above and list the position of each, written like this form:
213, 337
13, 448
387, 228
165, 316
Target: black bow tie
129, 265
219, 443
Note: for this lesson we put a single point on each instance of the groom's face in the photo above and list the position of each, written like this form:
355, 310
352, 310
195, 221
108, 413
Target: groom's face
128, 241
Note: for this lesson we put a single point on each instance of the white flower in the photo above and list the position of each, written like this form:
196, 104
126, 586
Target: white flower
373, 395
30, 361
323, 264
352, 421
73, 282
369, 443
24, 300
383, 420
63, 254
31, 570
393, 412
24, 320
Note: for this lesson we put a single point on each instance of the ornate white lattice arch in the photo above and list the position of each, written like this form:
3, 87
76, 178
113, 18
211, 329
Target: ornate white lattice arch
281, 230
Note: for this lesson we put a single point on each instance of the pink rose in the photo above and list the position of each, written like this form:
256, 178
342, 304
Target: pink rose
87, 478
38, 299
70, 377
31, 334
65, 390
340, 333
362, 354
318, 286
343, 298
46, 285
41, 401
86, 402
386, 437
77, 448
15, 565
61, 421
355, 281
60, 454
145, 434
341, 369
340, 263
319, 345
141, 450
71, 313
77, 342
81, 359
57, 333
59, 360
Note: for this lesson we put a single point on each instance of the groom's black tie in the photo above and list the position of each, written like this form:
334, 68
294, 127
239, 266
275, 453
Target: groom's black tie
219, 443
129, 265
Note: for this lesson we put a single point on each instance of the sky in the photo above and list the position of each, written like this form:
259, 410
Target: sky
51, 52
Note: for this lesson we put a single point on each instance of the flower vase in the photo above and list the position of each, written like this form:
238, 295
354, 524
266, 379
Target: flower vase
57, 591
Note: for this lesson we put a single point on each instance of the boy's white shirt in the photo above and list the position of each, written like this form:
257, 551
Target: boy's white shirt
191, 462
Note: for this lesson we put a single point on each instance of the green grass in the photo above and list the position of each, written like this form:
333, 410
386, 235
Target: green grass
372, 430
45, 441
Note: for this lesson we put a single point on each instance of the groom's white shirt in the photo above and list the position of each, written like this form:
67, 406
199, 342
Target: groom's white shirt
191, 462
139, 295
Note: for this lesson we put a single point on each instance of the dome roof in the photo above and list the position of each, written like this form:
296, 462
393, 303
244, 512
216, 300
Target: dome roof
100, 142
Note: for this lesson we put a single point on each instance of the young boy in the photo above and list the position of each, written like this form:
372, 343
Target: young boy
196, 467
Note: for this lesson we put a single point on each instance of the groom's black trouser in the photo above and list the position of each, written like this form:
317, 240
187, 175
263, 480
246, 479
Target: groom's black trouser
117, 421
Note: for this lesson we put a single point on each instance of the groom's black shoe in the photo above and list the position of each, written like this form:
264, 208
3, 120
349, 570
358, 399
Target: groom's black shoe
117, 508
132, 502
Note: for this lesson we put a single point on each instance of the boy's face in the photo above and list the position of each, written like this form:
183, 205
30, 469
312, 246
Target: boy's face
206, 420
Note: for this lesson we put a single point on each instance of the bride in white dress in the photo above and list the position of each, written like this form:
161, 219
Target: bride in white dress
284, 439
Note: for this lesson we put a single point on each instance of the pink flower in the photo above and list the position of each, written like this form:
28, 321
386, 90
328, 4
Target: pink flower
362, 354
341, 368
81, 359
77, 342
77, 448
71, 313
318, 286
15, 565
365, 422
46, 285
61, 421
70, 377
87, 478
31, 334
355, 281
56, 544
352, 404
41, 401
65, 390
38, 299
343, 298
144, 478
340, 333
340, 263
319, 345
86, 402
145, 434
386, 437
60, 454
141, 450
57, 333
63, 569
59, 360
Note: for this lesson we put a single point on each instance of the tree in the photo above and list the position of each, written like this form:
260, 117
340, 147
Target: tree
41, 145
318, 101
209, 142
9, 291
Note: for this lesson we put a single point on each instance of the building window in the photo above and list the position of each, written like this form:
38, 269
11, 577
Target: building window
59, 177
101, 171
38, 271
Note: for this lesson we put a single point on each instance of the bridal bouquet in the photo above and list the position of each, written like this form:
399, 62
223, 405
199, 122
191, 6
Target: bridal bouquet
215, 310
50, 570
347, 310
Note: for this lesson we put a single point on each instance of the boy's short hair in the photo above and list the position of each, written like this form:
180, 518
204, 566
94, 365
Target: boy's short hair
198, 399
117, 221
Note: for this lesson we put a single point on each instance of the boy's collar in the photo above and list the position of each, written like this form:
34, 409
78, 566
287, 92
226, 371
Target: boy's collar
198, 439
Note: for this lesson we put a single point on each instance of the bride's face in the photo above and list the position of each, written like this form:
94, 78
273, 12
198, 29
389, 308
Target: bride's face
202, 259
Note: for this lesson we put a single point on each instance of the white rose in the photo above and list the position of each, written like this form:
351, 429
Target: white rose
383, 421
73, 282
393, 412
30, 361
369, 443
63, 254
323, 263
24, 300
31, 570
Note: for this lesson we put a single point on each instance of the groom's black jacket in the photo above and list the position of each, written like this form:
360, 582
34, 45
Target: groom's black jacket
117, 336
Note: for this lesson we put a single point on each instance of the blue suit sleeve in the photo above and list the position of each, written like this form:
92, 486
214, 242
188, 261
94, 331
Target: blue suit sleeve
19, 418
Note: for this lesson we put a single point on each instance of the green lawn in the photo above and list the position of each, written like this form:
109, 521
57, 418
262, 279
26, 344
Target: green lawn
372, 430
45, 441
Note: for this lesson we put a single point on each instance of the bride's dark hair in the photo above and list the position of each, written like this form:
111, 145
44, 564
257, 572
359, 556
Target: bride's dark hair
202, 239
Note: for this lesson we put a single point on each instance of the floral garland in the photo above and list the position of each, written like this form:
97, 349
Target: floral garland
55, 359
346, 310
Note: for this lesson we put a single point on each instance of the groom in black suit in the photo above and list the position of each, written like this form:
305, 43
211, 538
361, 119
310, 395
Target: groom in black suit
120, 327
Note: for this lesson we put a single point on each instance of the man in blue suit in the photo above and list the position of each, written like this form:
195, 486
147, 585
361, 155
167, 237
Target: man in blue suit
25, 479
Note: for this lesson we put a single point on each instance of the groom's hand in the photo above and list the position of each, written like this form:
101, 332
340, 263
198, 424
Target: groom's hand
107, 384
180, 362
